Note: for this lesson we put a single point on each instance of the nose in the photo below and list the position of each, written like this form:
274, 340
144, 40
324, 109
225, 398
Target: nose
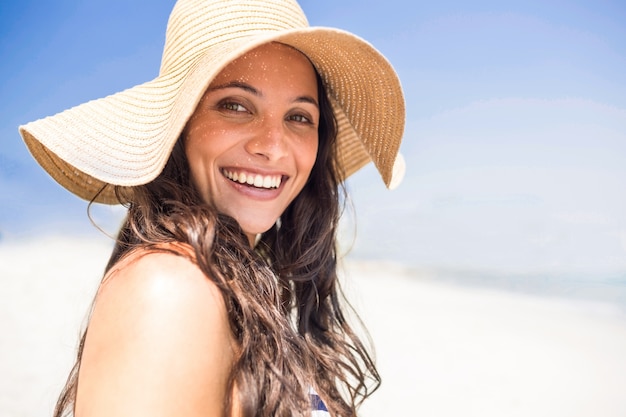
269, 139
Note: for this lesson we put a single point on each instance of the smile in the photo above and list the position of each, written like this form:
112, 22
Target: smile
256, 180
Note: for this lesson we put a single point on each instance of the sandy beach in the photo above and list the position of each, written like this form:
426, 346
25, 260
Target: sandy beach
442, 349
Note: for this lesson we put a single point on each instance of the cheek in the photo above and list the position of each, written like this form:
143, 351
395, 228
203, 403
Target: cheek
197, 172
307, 150
310, 156
192, 152
200, 147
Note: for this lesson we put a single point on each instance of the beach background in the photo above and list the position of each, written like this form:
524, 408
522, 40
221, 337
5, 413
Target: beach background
443, 349
493, 280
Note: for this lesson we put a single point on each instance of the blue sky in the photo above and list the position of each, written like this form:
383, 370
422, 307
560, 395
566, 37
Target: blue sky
515, 138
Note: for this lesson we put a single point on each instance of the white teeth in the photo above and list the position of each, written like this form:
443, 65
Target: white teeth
259, 181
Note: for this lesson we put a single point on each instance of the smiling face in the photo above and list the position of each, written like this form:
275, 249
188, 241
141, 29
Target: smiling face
252, 141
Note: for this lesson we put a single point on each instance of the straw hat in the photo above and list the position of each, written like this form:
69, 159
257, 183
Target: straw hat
125, 139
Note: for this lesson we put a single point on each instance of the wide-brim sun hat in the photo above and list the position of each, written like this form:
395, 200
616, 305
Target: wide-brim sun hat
125, 139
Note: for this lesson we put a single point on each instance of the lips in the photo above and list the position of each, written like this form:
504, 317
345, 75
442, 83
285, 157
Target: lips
255, 180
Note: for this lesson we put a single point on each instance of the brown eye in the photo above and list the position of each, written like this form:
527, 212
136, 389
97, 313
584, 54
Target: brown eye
232, 106
299, 118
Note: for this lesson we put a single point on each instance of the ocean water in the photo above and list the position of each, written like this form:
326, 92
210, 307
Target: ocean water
607, 288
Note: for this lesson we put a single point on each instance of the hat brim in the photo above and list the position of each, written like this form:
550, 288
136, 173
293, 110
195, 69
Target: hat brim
125, 139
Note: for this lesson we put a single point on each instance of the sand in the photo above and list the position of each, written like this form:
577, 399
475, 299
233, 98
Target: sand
442, 349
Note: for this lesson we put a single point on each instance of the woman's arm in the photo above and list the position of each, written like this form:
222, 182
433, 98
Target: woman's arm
158, 342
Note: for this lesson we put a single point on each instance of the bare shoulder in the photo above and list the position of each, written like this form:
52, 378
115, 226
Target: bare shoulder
158, 341
157, 277
162, 289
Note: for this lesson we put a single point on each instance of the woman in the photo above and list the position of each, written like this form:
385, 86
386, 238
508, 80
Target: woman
221, 295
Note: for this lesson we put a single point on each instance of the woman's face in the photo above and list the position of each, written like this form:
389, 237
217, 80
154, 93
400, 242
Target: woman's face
252, 141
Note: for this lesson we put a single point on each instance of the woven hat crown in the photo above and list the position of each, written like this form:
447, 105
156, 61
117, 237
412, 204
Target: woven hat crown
188, 35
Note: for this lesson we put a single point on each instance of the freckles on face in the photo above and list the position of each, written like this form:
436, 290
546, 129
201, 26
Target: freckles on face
253, 139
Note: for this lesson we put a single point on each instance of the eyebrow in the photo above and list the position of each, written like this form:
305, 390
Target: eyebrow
247, 87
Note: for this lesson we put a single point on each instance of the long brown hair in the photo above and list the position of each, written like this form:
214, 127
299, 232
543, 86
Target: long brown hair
283, 298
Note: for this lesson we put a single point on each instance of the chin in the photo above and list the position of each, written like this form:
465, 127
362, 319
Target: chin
257, 231
256, 228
